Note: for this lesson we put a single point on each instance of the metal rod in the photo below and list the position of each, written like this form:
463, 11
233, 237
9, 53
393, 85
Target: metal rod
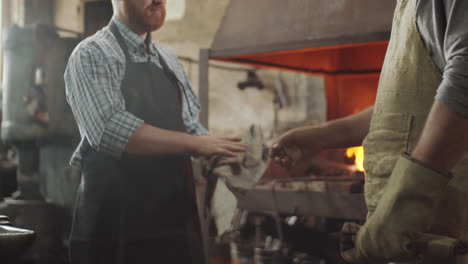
311, 71
203, 89
216, 66
67, 30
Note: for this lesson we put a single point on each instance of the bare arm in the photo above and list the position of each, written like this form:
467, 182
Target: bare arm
149, 140
307, 141
444, 139
349, 131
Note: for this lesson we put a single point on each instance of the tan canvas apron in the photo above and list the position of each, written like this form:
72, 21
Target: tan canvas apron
406, 93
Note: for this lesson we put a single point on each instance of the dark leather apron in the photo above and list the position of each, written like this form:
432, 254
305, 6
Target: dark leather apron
139, 209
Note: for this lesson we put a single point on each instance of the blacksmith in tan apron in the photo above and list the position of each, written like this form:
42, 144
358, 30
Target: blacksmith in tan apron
405, 96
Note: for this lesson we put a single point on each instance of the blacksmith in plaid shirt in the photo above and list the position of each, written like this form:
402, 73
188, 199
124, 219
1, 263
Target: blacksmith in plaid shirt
93, 77
137, 115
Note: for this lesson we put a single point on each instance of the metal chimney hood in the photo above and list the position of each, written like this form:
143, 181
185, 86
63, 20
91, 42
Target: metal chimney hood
261, 26
326, 37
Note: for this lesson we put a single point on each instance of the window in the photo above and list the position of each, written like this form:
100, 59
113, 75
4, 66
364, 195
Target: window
175, 9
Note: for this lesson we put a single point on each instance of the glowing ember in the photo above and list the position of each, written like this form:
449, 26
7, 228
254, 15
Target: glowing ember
358, 154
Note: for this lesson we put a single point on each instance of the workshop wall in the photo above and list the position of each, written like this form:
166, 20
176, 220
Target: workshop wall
232, 111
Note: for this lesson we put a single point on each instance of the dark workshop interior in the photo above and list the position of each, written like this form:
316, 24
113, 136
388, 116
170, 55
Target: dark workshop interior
233, 131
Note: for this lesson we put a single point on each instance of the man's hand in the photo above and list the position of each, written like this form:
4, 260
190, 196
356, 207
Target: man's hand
296, 145
217, 146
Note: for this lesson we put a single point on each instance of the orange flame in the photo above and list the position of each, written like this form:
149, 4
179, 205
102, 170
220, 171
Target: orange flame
358, 154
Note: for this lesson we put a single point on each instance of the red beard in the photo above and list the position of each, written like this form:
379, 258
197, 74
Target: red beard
148, 19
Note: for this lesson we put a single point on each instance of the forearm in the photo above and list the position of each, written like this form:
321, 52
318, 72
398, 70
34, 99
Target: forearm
149, 140
349, 131
443, 140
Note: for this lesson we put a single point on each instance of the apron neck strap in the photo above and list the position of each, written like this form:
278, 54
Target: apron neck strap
115, 30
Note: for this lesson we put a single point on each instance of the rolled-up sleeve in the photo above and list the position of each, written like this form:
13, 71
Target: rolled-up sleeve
453, 90
196, 128
93, 92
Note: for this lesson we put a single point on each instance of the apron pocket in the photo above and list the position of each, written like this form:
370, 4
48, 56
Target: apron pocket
388, 137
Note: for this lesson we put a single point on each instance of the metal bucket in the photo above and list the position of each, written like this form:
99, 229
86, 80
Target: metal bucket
269, 256
241, 253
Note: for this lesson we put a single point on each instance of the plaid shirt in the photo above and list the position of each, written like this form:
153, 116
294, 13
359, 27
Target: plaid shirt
93, 78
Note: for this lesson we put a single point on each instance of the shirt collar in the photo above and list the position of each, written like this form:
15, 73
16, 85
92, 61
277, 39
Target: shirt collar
133, 40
